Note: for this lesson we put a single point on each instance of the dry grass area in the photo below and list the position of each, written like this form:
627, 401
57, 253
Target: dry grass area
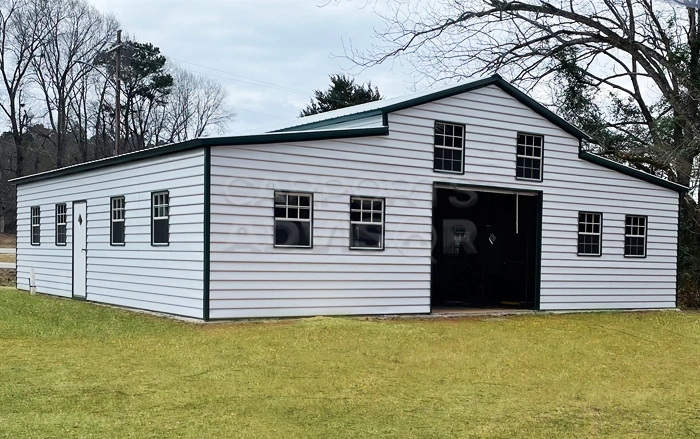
75, 369
8, 278
8, 258
7, 240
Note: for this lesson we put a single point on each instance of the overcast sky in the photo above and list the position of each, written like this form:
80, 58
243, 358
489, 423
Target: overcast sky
288, 43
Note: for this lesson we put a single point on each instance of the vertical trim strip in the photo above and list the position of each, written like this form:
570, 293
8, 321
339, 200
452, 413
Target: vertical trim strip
433, 238
678, 242
207, 232
538, 253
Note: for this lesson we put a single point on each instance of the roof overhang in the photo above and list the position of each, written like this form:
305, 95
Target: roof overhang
607, 163
327, 129
393, 106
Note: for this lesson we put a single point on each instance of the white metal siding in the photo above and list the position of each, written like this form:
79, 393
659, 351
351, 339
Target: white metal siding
251, 278
138, 275
570, 185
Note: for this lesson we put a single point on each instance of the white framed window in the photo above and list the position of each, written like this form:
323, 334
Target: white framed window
293, 219
635, 236
366, 223
529, 157
448, 155
61, 216
160, 215
35, 225
117, 223
590, 228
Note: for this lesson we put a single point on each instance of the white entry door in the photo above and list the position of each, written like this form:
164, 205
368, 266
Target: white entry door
79, 249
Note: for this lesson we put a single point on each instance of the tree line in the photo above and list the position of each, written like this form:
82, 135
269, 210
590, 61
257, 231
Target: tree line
58, 92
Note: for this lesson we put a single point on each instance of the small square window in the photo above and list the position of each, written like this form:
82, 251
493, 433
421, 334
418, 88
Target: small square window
366, 223
61, 224
635, 236
589, 233
528, 161
448, 154
293, 220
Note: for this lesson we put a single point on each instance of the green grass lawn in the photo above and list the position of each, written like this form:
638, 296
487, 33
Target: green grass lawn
76, 370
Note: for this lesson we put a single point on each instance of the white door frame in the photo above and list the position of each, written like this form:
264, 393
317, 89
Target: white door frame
79, 253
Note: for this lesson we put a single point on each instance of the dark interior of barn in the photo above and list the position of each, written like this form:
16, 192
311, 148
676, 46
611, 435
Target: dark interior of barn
485, 249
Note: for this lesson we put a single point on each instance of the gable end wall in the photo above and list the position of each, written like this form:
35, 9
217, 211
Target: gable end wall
251, 278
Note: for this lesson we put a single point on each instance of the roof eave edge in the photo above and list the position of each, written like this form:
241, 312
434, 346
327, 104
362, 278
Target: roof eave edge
619, 167
296, 136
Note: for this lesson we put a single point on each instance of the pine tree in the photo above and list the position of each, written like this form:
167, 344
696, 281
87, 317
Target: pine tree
342, 93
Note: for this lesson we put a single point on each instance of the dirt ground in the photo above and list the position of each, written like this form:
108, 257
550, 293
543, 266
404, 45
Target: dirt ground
8, 240
8, 278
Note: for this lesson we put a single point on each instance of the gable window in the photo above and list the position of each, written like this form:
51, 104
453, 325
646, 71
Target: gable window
635, 236
118, 207
366, 223
36, 225
589, 233
61, 224
293, 219
449, 148
529, 157
160, 227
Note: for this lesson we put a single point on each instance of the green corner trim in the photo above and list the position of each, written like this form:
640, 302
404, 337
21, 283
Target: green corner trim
158, 151
607, 163
207, 234
678, 243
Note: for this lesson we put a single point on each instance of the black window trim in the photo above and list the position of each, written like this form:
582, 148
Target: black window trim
541, 179
646, 236
311, 219
363, 197
56, 224
111, 220
464, 147
31, 225
600, 246
153, 244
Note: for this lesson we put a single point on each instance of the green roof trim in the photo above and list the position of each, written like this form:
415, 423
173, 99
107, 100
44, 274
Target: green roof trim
607, 163
496, 80
324, 130
258, 139
329, 123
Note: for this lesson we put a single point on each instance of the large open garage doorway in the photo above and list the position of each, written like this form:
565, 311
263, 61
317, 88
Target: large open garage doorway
485, 248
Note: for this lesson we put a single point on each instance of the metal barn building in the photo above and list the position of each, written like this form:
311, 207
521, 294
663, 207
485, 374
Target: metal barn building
469, 196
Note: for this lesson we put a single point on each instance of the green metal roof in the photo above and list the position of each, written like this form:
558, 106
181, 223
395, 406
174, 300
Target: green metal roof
607, 163
325, 127
203, 143
384, 107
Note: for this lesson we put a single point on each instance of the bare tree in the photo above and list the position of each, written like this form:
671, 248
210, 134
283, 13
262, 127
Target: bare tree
195, 107
644, 56
98, 116
23, 29
78, 34
82, 116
